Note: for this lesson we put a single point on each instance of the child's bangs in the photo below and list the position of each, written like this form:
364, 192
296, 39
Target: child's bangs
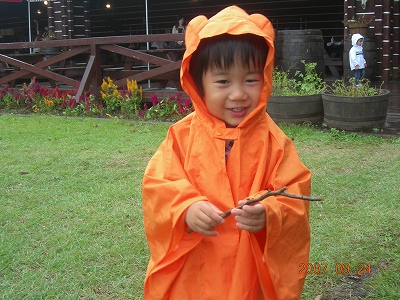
223, 55
223, 51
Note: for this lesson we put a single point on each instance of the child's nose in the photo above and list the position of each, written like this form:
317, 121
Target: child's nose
238, 93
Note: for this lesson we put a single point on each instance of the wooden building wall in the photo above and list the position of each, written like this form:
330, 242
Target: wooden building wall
84, 18
69, 18
128, 17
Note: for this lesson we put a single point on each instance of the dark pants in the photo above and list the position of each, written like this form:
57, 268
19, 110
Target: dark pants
358, 75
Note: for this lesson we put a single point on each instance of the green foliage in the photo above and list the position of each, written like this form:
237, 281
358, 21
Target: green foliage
307, 83
128, 101
282, 84
349, 89
7, 101
170, 109
360, 20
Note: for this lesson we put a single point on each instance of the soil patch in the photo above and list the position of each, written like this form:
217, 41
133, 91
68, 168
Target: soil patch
352, 287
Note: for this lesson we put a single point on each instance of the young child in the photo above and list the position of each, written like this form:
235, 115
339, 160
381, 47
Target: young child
228, 150
356, 57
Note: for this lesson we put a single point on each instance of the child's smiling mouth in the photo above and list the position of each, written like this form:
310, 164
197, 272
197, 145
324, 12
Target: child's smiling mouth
238, 111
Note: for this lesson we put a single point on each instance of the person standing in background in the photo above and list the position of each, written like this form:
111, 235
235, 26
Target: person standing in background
179, 27
356, 58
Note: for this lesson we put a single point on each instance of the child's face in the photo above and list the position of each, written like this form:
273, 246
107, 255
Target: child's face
359, 42
231, 95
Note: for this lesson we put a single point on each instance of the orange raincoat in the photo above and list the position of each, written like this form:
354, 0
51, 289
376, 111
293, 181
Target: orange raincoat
190, 166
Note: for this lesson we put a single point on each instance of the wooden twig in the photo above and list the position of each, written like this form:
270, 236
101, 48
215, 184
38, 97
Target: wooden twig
269, 193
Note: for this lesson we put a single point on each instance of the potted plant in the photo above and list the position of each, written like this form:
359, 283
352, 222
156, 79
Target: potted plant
355, 108
358, 25
298, 99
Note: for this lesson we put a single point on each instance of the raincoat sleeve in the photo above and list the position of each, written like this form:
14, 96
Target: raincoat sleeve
287, 225
352, 58
167, 193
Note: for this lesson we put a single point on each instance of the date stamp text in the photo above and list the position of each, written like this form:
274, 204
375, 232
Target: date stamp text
318, 268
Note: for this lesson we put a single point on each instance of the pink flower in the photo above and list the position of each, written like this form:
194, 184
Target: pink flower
72, 103
123, 92
154, 99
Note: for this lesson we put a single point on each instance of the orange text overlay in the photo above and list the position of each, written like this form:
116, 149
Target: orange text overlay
317, 268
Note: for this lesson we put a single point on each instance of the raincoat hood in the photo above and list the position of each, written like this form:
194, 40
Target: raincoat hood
235, 21
355, 37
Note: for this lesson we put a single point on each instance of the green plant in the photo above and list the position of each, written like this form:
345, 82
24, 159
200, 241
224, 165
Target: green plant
359, 20
110, 95
307, 83
128, 101
282, 84
6, 101
310, 82
171, 108
349, 89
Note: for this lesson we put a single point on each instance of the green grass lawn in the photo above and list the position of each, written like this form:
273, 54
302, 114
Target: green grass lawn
71, 223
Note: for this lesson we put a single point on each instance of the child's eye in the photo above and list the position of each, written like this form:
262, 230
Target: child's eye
254, 79
222, 81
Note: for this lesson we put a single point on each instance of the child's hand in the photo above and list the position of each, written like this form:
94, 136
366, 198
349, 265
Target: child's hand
250, 218
202, 217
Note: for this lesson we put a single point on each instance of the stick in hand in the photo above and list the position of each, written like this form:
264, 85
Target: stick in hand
266, 195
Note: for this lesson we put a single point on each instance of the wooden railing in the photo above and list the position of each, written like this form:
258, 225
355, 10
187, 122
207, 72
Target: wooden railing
84, 63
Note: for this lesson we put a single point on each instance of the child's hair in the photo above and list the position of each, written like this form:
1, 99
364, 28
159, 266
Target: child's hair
223, 51
178, 18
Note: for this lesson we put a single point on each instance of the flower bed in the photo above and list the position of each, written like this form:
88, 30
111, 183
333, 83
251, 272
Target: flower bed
125, 102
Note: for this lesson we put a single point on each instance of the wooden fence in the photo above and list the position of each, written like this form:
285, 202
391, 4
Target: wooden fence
84, 63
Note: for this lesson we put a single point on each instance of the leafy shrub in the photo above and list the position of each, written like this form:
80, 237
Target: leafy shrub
349, 89
307, 83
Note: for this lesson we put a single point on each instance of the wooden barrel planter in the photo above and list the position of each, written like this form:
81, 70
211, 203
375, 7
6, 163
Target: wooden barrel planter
292, 46
296, 109
355, 113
